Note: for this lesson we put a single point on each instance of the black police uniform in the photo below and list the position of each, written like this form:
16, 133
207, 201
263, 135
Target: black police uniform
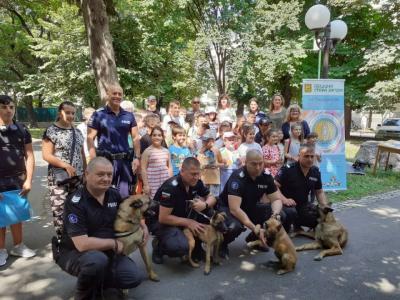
112, 136
298, 187
13, 139
172, 194
251, 191
95, 269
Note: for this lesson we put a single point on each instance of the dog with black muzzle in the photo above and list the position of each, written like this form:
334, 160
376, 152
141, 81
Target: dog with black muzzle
278, 239
329, 235
128, 229
212, 236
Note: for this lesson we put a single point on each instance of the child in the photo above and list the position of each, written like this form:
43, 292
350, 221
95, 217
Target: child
223, 127
230, 155
212, 119
312, 139
210, 160
178, 150
281, 144
248, 135
155, 163
292, 144
271, 153
150, 121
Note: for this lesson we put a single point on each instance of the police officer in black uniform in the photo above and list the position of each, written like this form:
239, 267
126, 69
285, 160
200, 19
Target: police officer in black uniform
296, 182
176, 213
88, 247
245, 199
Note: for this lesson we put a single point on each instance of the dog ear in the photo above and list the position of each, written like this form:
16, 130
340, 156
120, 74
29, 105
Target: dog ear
327, 209
222, 213
137, 204
278, 228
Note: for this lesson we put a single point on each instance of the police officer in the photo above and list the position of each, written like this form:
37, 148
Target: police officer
88, 248
16, 170
176, 213
296, 182
244, 199
111, 125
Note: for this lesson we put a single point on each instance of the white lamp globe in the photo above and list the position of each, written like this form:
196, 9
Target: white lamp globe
338, 30
317, 17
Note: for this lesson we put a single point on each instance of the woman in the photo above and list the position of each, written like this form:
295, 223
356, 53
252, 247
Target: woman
293, 116
277, 111
254, 108
225, 112
62, 148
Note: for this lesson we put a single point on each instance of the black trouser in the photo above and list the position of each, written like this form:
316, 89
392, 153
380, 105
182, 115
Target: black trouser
306, 215
96, 270
172, 241
262, 213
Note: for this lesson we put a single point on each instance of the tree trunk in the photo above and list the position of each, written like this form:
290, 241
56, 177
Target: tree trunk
28, 101
285, 89
347, 121
100, 44
369, 123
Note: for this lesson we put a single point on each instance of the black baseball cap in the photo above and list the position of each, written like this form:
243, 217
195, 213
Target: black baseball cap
264, 121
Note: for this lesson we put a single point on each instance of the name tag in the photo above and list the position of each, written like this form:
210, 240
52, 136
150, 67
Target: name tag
112, 204
313, 179
262, 186
126, 122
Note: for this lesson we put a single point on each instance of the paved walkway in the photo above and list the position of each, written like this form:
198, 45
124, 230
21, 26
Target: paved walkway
369, 268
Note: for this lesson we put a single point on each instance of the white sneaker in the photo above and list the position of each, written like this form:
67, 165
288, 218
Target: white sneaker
3, 257
22, 250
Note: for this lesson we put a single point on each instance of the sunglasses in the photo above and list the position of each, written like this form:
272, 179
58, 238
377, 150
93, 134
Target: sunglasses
196, 102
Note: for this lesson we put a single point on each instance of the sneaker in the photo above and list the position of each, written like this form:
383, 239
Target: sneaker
3, 257
224, 251
157, 255
22, 251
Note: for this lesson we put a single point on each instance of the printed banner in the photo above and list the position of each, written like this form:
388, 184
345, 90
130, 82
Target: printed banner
323, 105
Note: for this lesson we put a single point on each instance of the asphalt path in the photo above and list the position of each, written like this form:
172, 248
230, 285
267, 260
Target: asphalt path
368, 269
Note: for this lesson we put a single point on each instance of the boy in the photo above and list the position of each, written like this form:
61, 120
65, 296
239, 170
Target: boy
178, 150
312, 139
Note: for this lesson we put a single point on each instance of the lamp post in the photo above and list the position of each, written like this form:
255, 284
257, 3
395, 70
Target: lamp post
327, 34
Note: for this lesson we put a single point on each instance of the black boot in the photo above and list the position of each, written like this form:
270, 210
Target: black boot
157, 255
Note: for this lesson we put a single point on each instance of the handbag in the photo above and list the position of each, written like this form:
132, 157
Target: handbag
60, 175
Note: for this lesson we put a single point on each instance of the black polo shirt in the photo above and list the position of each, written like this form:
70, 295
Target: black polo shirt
297, 186
84, 215
172, 194
13, 139
251, 191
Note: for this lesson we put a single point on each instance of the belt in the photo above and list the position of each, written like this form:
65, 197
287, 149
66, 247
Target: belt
119, 155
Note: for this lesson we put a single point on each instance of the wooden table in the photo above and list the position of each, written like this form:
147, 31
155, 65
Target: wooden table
390, 146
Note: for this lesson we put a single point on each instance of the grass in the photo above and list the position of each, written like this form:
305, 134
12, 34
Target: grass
37, 133
359, 186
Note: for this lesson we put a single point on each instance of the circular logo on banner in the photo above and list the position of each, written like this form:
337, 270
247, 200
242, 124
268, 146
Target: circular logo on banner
72, 218
329, 131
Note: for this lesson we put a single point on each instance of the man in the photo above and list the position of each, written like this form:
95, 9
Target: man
264, 124
176, 213
16, 170
296, 182
112, 125
245, 197
190, 116
173, 115
152, 106
88, 248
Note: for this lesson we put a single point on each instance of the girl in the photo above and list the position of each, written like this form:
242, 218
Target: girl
281, 144
293, 116
155, 164
277, 111
62, 148
212, 119
225, 112
248, 136
292, 144
230, 155
271, 153
254, 108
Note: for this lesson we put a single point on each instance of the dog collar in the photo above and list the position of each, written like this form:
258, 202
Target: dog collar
123, 234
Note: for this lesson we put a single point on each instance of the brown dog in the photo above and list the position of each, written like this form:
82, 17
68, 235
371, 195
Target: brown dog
278, 239
213, 238
128, 229
330, 235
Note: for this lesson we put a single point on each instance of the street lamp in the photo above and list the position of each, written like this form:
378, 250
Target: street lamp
327, 34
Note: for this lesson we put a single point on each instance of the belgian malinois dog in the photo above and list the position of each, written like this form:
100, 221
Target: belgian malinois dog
128, 230
329, 235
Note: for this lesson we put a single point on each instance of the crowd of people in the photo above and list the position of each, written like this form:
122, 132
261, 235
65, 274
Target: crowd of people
252, 166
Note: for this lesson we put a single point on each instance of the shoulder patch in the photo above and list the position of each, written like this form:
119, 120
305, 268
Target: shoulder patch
241, 174
234, 185
76, 198
73, 218
174, 182
100, 109
267, 172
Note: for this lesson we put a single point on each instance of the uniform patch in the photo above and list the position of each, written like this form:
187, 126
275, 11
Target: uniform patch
76, 199
73, 218
262, 186
267, 172
241, 174
234, 185
313, 178
112, 204
174, 182
165, 195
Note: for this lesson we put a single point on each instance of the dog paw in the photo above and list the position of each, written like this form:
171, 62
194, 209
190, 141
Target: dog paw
154, 277
194, 265
318, 258
282, 271
207, 272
